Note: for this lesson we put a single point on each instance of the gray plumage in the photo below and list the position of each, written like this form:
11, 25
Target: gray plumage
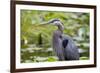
63, 45
71, 50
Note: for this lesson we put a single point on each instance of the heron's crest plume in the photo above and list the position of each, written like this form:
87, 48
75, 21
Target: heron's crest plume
53, 20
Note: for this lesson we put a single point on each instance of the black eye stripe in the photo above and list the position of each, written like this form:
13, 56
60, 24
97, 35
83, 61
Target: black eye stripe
54, 20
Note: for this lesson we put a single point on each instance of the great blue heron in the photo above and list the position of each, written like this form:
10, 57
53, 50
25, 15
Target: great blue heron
63, 45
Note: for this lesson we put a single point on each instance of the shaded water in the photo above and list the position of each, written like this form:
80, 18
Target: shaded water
37, 54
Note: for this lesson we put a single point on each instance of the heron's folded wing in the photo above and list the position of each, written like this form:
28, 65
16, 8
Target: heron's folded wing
64, 43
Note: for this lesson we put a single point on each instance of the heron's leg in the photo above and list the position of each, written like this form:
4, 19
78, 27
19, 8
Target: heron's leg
61, 57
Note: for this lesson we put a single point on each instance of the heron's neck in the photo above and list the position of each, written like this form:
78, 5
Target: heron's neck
60, 28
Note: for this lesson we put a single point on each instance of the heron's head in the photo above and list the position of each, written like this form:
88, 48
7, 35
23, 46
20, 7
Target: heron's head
56, 22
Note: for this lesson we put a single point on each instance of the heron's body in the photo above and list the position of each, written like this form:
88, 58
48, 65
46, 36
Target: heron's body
63, 45
70, 49
57, 44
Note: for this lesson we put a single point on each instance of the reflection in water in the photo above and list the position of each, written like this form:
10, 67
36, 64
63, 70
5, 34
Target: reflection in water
37, 54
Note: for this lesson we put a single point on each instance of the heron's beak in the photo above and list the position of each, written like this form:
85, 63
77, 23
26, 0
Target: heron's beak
45, 23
